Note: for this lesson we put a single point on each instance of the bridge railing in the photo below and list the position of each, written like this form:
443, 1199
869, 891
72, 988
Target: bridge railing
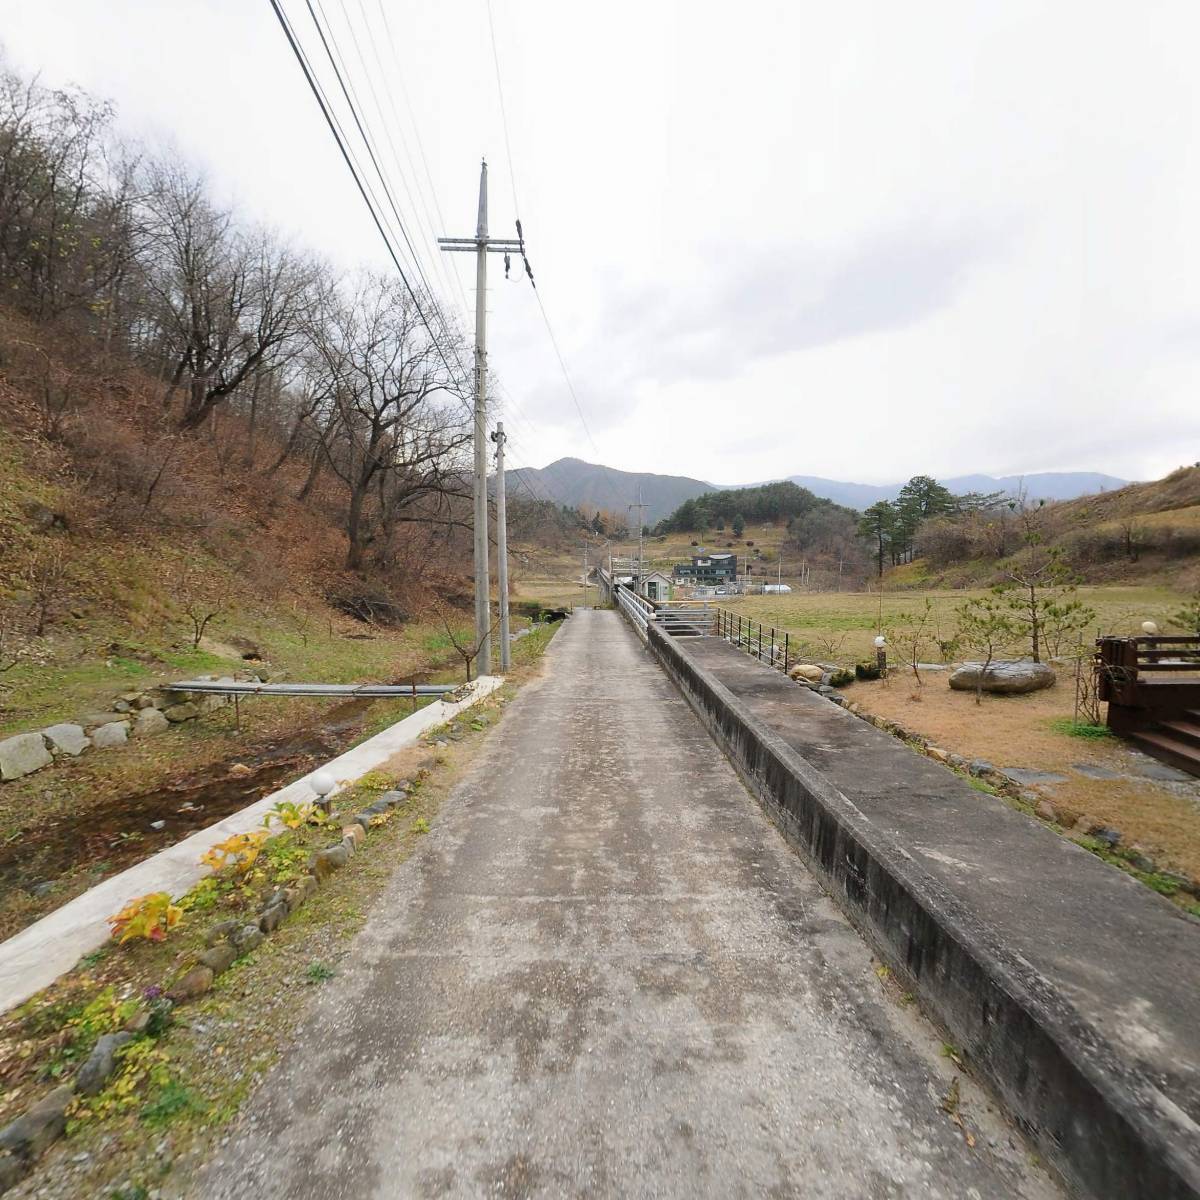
764, 642
677, 619
639, 612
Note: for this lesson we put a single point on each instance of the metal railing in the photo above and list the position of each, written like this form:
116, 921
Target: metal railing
679, 619
763, 642
638, 611
684, 619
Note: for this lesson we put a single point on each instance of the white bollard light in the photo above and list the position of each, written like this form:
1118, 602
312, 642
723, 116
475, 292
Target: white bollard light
322, 783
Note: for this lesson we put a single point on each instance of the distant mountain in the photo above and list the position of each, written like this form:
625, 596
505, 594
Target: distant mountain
1045, 485
573, 481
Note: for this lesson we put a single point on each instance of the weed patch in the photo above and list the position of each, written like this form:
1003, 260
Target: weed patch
1081, 729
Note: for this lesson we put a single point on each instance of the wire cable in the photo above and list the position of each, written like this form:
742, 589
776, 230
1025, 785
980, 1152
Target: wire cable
330, 120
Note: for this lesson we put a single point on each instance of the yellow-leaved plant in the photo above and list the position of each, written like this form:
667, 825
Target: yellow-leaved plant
151, 916
238, 851
293, 815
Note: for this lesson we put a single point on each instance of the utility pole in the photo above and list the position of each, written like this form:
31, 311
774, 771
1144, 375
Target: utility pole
641, 507
481, 244
585, 571
502, 548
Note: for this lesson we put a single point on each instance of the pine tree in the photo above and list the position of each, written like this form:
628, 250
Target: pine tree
878, 524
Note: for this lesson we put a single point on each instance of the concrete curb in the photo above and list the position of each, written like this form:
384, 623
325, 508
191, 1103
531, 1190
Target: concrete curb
37, 956
1101, 1122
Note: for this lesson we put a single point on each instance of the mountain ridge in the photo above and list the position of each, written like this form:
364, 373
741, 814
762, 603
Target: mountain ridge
573, 481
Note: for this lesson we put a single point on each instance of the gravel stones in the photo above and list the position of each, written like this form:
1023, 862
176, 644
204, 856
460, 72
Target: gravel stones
149, 721
325, 862
218, 958
33, 1131
220, 931
272, 917
195, 983
247, 938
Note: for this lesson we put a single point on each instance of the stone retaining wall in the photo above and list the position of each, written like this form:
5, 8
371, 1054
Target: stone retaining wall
133, 714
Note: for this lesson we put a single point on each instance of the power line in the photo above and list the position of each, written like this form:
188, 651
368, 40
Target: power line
366, 189
566, 373
437, 208
414, 192
351, 103
512, 175
331, 121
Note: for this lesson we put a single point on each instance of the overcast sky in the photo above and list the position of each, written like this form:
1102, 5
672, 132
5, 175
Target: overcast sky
860, 240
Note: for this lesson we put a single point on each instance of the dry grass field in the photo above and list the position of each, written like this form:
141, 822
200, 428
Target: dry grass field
841, 625
1161, 818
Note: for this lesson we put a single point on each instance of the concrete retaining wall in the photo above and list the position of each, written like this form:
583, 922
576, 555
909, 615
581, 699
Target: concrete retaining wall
1097, 1119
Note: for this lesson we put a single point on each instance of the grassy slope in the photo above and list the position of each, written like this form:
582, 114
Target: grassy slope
118, 626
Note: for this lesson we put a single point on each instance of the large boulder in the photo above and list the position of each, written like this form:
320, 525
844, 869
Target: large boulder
182, 712
806, 672
148, 721
22, 755
113, 733
66, 739
1003, 678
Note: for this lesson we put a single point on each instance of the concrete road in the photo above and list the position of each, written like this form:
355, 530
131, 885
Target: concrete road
605, 974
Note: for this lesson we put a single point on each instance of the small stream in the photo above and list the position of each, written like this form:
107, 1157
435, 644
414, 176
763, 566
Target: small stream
80, 851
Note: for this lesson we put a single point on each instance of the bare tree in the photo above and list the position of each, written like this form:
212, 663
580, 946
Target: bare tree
399, 432
202, 596
228, 301
46, 581
465, 644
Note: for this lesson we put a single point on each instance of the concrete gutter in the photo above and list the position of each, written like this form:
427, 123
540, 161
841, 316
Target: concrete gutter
38, 955
1092, 1045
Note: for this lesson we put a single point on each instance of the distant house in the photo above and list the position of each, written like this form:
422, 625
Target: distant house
654, 585
707, 570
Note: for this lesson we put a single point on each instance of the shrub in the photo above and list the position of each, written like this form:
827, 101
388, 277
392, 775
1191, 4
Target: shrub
843, 677
293, 815
238, 851
151, 916
866, 670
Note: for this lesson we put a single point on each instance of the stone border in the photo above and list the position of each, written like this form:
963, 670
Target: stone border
24, 1140
35, 957
134, 714
1092, 1115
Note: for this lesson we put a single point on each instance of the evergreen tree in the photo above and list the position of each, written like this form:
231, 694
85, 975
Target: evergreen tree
739, 525
878, 524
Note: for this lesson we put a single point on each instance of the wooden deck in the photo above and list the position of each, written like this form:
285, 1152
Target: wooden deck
1152, 686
